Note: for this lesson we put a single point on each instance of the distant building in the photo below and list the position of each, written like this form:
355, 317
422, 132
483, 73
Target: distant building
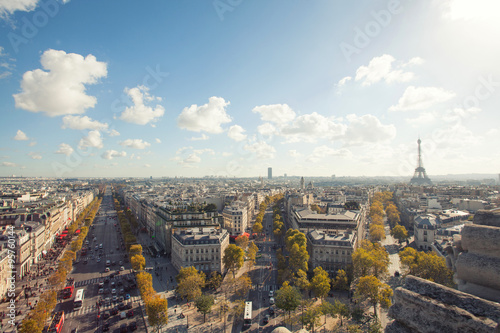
202, 248
420, 176
302, 183
424, 230
330, 250
269, 173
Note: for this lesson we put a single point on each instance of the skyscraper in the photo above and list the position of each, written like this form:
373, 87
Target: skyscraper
269, 173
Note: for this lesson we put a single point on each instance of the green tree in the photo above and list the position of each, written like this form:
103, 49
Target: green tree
399, 232
327, 309
320, 283
311, 317
215, 280
341, 310
138, 262
157, 311
288, 298
427, 266
371, 289
242, 241
257, 227
233, 258
204, 304
341, 281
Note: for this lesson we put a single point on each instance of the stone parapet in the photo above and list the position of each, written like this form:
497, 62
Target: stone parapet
479, 269
481, 239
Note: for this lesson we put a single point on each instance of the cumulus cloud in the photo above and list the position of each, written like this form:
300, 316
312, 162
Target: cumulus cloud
235, 132
310, 127
59, 89
110, 154
135, 143
422, 119
114, 132
9, 164
93, 139
65, 149
34, 155
367, 129
261, 149
32, 143
205, 118
140, 113
82, 123
294, 153
267, 130
7, 7
420, 98
226, 154
21, 136
158, 140
319, 153
188, 156
276, 113
381, 68
203, 137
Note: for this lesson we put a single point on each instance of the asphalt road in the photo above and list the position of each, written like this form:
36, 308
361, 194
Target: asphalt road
87, 276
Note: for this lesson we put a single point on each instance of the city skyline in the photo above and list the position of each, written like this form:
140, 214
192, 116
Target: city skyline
93, 89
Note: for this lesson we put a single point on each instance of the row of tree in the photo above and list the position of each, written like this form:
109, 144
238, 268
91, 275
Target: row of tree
257, 226
35, 321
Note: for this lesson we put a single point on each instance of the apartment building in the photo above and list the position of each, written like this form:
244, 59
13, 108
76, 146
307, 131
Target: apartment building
236, 218
331, 250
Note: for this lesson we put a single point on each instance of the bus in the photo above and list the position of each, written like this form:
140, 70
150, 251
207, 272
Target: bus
247, 316
78, 299
56, 323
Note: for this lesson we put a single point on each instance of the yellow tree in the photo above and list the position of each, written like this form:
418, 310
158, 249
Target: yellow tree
377, 232
190, 282
320, 283
157, 311
135, 249
242, 241
233, 258
30, 326
257, 227
245, 283
145, 284
341, 281
370, 259
399, 232
138, 262
371, 289
427, 266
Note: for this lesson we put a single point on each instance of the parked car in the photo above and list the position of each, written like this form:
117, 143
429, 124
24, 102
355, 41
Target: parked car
106, 315
266, 319
130, 313
123, 328
121, 306
114, 311
105, 327
271, 300
132, 326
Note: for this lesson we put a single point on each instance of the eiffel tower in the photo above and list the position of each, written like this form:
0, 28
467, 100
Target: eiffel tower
420, 176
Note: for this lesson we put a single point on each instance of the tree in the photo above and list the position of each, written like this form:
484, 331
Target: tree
233, 258
310, 317
316, 208
245, 283
138, 262
399, 232
294, 236
327, 308
242, 241
371, 289
376, 208
377, 232
145, 284
288, 298
427, 266
370, 258
320, 283
351, 205
341, 281
215, 280
257, 227
30, 326
238, 308
190, 282
135, 249
377, 219
300, 280
341, 310
299, 258
252, 251
157, 311
204, 304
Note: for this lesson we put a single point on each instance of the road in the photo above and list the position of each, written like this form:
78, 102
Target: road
104, 243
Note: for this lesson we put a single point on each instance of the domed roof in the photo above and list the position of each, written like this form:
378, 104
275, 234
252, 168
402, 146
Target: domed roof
281, 329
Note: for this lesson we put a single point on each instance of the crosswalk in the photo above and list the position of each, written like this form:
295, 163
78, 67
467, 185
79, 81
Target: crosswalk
100, 279
266, 287
93, 308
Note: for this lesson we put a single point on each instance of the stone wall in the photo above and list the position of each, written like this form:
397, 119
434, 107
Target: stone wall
422, 306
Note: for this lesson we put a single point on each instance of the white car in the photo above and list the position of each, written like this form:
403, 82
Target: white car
113, 291
122, 268
271, 293
271, 300
101, 291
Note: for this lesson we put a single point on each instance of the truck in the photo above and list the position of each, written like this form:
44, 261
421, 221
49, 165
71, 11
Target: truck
57, 322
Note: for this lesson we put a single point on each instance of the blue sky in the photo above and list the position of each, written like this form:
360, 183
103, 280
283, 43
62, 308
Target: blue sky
231, 87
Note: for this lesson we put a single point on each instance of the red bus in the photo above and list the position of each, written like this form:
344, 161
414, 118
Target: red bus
67, 292
57, 322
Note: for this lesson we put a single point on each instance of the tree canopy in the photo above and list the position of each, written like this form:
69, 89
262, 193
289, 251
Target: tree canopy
371, 289
233, 258
320, 283
370, 259
426, 265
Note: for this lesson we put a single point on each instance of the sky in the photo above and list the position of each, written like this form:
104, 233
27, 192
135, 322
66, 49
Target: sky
231, 87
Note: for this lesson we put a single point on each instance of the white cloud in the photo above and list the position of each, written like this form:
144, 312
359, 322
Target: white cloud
276, 113
60, 88
483, 10
205, 118
114, 132
323, 151
5, 65
380, 68
310, 127
203, 137
188, 156
261, 149
367, 129
21, 136
7, 7
82, 123
65, 149
140, 113
294, 153
110, 154
267, 130
343, 81
93, 139
460, 113
158, 140
147, 165
235, 132
9, 164
420, 98
226, 154
32, 144
135, 143
35, 156
424, 118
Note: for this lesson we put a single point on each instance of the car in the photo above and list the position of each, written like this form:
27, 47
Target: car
128, 306
113, 291
119, 283
106, 315
100, 246
113, 263
113, 283
122, 291
121, 298
101, 284
123, 328
122, 268
112, 275
130, 313
106, 269
106, 291
107, 300
266, 319
85, 262
271, 293
106, 280
120, 263
115, 298
123, 315
98, 259
122, 306
127, 296
114, 311
101, 291
132, 326
271, 311
271, 300
105, 327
